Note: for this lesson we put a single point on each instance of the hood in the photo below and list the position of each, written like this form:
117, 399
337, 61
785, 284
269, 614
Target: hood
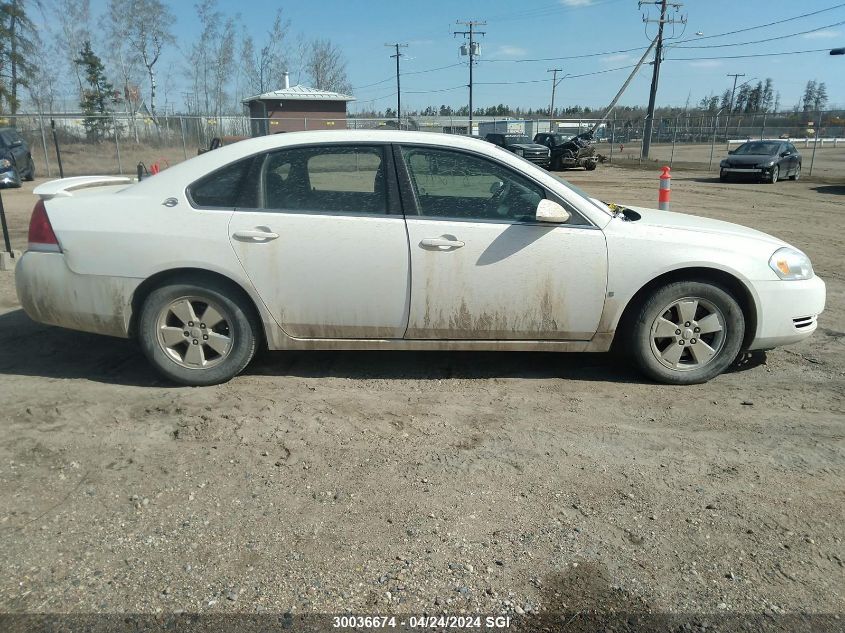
750, 160
534, 147
684, 222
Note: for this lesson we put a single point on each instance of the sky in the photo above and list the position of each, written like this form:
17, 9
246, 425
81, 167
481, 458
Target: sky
519, 31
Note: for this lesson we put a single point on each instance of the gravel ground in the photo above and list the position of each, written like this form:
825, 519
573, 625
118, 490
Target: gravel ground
436, 482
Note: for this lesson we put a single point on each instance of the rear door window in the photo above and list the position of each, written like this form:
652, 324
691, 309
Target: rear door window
332, 179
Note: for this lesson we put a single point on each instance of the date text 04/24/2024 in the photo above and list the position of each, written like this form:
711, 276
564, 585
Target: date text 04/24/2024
422, 622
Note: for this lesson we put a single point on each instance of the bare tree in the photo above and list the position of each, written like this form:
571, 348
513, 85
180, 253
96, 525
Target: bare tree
74, 20
18, 43
210, 57
122, 58
325, 66
148, 32
264, 66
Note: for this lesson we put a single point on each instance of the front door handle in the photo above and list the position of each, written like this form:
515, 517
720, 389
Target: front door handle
440, 242
255, 235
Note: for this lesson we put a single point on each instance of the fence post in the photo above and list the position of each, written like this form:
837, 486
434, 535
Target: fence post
816, 141
713, 142
182, 131
58, 150
674, 137
763, 130
117, 144
44, 145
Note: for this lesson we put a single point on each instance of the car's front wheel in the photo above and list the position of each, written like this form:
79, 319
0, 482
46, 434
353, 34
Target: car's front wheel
773, 177
30, 172
687, 333
197, 333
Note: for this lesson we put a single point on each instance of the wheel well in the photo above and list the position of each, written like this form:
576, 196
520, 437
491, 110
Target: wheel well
188, 275
725, 280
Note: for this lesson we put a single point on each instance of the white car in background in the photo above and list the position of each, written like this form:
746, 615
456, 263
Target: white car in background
399, 240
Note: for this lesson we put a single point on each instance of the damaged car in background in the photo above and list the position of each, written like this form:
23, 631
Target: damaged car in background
362, 240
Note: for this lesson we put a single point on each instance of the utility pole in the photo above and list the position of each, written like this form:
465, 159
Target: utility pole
658, 54
397, 55
473, 50
554, 85
735, 76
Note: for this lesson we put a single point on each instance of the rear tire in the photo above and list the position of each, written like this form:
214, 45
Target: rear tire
797, 173
197, 333
590, 166
686, 333
30, 173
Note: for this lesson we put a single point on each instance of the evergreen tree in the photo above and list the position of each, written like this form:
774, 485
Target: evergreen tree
97, 94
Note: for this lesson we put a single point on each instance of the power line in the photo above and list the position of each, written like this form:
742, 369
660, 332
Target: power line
554, 59
768, 39
762, 26
692, 59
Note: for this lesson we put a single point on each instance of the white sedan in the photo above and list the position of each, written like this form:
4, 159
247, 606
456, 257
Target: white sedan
399, 240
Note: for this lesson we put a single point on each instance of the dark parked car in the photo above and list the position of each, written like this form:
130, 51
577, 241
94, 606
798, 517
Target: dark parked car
569, 151
521, 146
15, 160
766, 160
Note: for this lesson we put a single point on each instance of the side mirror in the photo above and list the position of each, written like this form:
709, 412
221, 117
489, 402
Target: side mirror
496, 187
550, 211
785, 153
17, 143
731, 151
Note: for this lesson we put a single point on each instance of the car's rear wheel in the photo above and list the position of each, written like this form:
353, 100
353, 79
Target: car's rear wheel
773, 177
590, 165
197, 333
797, 173
687, 333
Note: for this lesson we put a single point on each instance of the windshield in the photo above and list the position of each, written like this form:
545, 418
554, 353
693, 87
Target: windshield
561, 138
513, 140
764, 149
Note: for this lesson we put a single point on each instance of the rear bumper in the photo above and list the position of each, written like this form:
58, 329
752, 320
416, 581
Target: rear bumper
787, 311
51, 293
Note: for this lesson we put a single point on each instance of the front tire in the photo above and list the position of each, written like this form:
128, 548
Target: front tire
197, 334
687, 333
30, 173
773, 177
590, 165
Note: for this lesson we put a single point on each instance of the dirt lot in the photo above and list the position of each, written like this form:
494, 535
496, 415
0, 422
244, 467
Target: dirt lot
430, 482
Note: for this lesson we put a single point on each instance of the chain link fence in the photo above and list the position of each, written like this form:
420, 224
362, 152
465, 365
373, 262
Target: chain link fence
116, 143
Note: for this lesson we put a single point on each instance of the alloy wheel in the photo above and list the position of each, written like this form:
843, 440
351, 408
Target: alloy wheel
195, 332
688, 334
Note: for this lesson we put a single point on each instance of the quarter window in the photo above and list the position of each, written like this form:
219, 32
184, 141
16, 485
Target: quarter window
232, 186
458, 185
328, 179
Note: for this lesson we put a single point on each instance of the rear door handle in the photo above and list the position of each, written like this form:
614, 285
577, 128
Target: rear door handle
440, 242
255, 235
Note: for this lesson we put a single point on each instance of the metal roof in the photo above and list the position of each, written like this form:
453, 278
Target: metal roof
300, 93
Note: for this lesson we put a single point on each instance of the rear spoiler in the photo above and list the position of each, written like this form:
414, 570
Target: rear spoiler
63, 187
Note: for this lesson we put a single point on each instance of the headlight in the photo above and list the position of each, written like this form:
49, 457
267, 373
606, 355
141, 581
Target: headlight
790, 264
5, 163
771, 163
519, 152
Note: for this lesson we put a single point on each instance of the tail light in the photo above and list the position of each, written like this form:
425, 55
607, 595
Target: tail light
41, 235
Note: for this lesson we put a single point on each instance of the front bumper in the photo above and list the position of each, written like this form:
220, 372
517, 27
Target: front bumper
760, 172
787, 311
52, 293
